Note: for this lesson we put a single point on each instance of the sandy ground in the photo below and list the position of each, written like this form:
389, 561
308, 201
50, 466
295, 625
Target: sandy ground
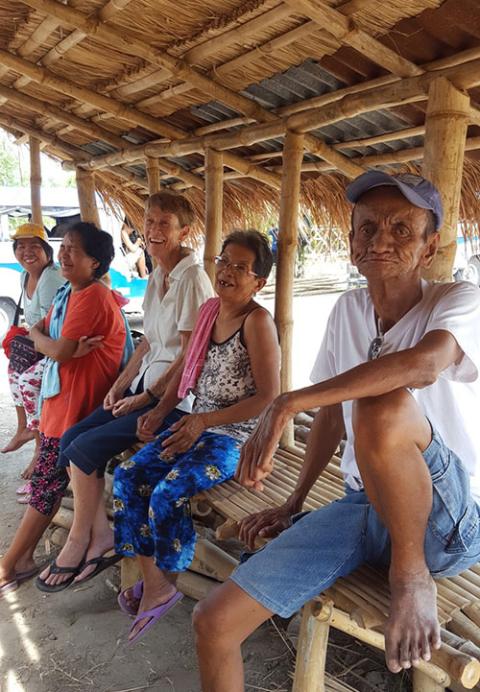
75, 640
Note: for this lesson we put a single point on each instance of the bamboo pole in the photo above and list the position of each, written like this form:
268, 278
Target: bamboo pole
446, 129
422, 683
287, 250
37, 105
35, 181
153, 175
86, 196
213, 209
312, 648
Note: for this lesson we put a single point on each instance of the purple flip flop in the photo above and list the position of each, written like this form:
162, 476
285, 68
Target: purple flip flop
154, 615
8, 587
137, 593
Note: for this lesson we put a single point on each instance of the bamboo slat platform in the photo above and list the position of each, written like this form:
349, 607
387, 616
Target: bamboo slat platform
359, 604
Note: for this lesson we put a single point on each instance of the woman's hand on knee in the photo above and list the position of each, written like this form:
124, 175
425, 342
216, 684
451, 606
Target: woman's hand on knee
129, 404
185, 432
148, 424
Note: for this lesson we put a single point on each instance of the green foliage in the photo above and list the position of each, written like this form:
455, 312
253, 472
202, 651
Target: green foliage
9, 167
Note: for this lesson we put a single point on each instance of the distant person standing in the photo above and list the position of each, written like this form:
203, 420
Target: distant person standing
132, 245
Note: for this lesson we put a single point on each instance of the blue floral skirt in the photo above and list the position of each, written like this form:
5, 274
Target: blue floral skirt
151, 497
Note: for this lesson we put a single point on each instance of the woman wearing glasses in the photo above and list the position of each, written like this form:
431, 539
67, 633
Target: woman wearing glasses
232, 368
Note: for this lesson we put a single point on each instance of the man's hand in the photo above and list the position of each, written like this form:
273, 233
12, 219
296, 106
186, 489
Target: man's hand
87, 344
256, 458
113, 395
185, 432
129, 404
148, 423
266, 524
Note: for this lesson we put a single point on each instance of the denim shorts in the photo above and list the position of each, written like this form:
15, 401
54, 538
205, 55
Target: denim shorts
333, 541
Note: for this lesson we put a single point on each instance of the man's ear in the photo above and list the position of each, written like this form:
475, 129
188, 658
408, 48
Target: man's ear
431, 248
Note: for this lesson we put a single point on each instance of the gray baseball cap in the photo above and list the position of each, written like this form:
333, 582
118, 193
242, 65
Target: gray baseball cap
419, 191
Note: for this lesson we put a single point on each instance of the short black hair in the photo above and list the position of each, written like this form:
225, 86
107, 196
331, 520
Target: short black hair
256, 242
95, 243
46, 247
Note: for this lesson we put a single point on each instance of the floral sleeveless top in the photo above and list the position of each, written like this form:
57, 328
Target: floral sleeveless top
226, 378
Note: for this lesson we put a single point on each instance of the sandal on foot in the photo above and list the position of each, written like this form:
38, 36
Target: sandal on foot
101, 562
24, 489
153, 615
137, 593
55, 569
27, 574
23, 499
8, 587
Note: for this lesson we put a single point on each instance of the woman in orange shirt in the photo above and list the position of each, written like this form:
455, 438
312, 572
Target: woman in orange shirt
78, 374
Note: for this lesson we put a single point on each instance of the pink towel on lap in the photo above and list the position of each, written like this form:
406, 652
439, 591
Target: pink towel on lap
198, 346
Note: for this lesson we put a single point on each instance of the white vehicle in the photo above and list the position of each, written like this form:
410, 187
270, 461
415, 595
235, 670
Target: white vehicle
124, 279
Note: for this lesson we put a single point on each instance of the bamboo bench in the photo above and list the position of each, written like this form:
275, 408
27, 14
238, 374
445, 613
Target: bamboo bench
358, 604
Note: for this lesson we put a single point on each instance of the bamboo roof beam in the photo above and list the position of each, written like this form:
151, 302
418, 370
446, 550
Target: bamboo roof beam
196, 54
343, 29
72, 152
124, 42
48, 79
180, 69
60, 115
73, 39
332, 96
409, 90
412, 89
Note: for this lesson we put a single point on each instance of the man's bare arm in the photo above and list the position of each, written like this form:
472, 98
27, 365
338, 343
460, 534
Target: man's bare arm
327, 431
414, 367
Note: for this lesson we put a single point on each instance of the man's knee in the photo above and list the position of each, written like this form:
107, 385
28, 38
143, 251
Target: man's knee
384, 418
208, 621
383, 411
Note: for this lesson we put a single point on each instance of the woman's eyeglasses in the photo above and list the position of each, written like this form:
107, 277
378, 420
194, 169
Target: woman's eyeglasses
238, 269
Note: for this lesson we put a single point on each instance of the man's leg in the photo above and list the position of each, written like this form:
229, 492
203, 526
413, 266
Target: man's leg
328, 543
390, 435
222, 622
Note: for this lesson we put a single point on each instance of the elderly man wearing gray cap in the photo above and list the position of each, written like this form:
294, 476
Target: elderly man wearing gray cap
398, 373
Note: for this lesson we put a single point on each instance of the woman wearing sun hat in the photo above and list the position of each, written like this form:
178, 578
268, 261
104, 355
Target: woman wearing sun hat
39, 281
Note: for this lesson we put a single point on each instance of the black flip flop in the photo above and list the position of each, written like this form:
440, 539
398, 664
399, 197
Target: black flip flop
55, 569
100, 563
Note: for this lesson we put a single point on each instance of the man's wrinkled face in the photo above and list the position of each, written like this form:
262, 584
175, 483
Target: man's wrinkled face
388, 238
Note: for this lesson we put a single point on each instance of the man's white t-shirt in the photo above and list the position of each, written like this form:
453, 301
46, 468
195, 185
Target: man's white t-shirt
452, 403
167, 313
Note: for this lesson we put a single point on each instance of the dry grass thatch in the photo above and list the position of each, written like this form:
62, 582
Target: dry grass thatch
237, 44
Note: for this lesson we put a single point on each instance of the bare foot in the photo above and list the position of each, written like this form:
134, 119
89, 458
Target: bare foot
99, 546
71, 555
152, 598
20, 438
412, 629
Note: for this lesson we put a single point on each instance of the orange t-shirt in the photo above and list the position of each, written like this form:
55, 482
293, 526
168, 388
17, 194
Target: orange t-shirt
85, 381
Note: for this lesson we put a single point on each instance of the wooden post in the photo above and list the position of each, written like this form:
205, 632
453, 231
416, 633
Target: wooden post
445, 134
213, 208
35, 181
153, 174
286, 254
86, 196
312, 647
